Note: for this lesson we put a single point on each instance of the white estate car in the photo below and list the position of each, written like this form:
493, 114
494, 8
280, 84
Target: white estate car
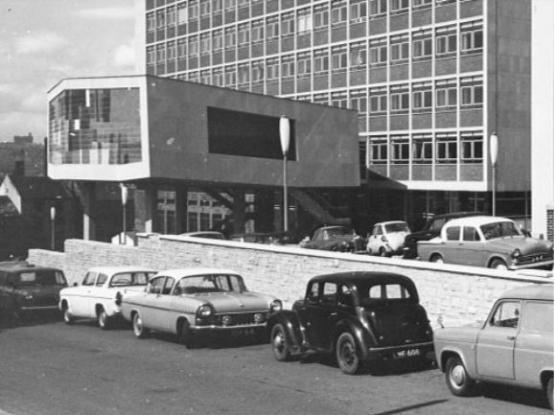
100, 294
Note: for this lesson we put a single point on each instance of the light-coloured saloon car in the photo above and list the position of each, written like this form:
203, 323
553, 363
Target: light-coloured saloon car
187, 302
513, 346
100, 293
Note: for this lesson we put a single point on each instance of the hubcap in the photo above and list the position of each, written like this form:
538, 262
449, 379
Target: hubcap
458, 375
348, 353
138, 325
279, 343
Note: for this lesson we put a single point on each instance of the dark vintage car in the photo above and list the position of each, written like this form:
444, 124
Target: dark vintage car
431, 230
27, 289
335, 238
360, 317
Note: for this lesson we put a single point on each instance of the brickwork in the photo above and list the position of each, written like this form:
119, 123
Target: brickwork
459, 294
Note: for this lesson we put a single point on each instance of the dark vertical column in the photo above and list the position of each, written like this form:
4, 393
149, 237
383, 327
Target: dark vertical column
238, 211
88, 191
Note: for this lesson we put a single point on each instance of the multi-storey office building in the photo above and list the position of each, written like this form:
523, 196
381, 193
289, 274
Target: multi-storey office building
431, 80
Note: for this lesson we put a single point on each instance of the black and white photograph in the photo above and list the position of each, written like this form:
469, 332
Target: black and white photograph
277, 207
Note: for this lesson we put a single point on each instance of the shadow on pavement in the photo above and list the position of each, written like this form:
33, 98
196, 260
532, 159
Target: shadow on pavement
524, 396
9, 321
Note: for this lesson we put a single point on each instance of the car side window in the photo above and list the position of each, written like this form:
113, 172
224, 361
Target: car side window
101, 279
329, 293
89, 278
470, 233
537, 317
507, 314
345, 297
156, 285
168, 285
312, 293
452, 233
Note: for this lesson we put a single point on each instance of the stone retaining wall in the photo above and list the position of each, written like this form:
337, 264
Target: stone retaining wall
459, 294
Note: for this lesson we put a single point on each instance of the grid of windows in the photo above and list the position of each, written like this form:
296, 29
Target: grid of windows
308, 52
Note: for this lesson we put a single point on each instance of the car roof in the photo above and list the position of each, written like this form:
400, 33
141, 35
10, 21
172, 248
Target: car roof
531, 292
189, 272
457, 215
24, 266
478, 220
389, 222
363, 276
114, 269
201, 233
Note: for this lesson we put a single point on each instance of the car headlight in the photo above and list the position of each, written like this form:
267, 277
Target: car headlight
516, 253
275, 306
205, 311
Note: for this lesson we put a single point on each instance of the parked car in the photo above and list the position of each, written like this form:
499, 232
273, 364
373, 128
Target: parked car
187, 302
387, 238
26, 289
335, 238
204, 234
100, 294
431, 230
513, 346
360, 317
487, 241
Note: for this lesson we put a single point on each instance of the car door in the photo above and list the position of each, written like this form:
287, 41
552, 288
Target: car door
534, 342
163, 313
472, 248
80, 297
451, 245
96, 295
495, 345
149, 304
374, 240
321, 315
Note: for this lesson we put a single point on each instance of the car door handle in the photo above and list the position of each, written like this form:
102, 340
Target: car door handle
511, 337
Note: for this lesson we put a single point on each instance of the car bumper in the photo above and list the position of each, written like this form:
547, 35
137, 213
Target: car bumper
542, 264
238, 327
407, 351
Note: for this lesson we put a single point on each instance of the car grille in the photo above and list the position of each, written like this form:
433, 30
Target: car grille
537, 257
241, 319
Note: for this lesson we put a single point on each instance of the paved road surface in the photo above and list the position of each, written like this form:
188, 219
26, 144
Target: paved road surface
51, 368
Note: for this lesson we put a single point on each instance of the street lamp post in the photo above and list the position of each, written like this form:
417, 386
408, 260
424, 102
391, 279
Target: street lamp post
285, 138
493, 150
123, 189
53, 228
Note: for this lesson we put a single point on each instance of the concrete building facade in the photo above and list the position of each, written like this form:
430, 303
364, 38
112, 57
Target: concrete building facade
431, 81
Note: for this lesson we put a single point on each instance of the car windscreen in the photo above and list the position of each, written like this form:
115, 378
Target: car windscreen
396, 227
373, 294
340, 232
39, 277
210, 283
125, 279
499, 230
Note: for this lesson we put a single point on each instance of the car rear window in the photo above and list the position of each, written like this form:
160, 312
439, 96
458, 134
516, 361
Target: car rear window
384, 293
42, 277
130, 278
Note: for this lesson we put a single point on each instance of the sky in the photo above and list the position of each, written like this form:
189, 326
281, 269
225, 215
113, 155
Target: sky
44, 41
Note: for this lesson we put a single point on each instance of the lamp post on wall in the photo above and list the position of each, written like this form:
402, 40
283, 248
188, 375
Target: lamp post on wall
493, 150
285, 138
53, 228
123, 189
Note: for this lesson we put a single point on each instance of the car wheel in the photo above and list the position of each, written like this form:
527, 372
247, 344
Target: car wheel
103, 319
184, 334
437, 258
280, 344
348, 358
68, 318
549, 392
139, 329
498, 264
457, 378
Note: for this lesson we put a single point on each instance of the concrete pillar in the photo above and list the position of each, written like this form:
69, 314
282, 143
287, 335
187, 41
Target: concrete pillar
144, 202
238, 211
88, 191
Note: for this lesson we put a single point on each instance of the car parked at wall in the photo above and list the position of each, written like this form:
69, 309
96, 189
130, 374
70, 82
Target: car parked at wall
360, 317
487, 241
335, 238
190, 302
387, 238
431, 230
100, 294
26, 289
513, 346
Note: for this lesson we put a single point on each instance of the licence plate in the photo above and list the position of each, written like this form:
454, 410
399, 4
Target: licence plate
403, 354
